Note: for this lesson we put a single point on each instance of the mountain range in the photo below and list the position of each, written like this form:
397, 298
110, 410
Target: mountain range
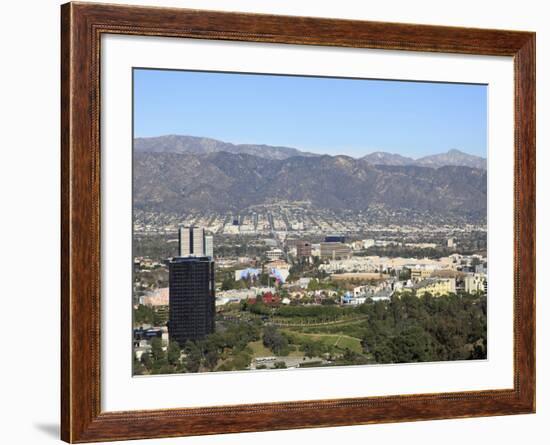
220, 181
451, 157
201, 146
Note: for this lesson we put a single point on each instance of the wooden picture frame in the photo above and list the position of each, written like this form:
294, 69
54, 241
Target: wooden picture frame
82, 25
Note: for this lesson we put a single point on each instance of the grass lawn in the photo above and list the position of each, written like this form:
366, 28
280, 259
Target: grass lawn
340, 341
259, 350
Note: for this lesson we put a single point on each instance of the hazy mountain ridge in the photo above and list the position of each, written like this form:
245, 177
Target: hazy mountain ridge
222, 181
201, 146
452, 157
383, 158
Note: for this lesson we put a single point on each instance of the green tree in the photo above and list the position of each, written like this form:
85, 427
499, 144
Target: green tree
413, 345
161, 367
157, 351
193, 357
228, 283
353, 358
313, 348
405, 274
383, 352
259, 308
144, 315
275, 340
241, 361
211, 359
166, 369
146, 360
173, 353
313, 285
137, 366
211, 347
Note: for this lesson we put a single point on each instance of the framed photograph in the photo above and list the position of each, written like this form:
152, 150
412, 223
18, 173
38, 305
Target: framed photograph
274, 222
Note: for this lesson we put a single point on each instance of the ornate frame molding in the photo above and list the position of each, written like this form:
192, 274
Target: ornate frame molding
82, 25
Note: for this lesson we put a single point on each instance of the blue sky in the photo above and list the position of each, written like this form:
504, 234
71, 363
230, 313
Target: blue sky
323, 115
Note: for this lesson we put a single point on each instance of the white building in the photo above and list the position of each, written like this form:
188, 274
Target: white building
368, 243
316, 250
209, 246
350, 300
474, 283
354, 264
274, 254
191, 241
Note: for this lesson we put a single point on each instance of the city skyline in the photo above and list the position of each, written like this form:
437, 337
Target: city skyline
263, 257
353, 117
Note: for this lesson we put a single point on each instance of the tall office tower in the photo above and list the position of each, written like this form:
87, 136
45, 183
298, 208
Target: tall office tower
209, 246
192, 298
191, 241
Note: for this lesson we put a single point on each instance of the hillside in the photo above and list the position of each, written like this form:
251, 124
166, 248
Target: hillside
222, 181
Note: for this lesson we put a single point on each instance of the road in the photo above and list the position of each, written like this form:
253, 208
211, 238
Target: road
290, 362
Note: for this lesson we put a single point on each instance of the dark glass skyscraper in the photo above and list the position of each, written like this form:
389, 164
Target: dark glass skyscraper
192, 298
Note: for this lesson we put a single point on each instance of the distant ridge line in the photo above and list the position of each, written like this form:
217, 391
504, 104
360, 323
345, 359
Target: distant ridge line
203, 145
